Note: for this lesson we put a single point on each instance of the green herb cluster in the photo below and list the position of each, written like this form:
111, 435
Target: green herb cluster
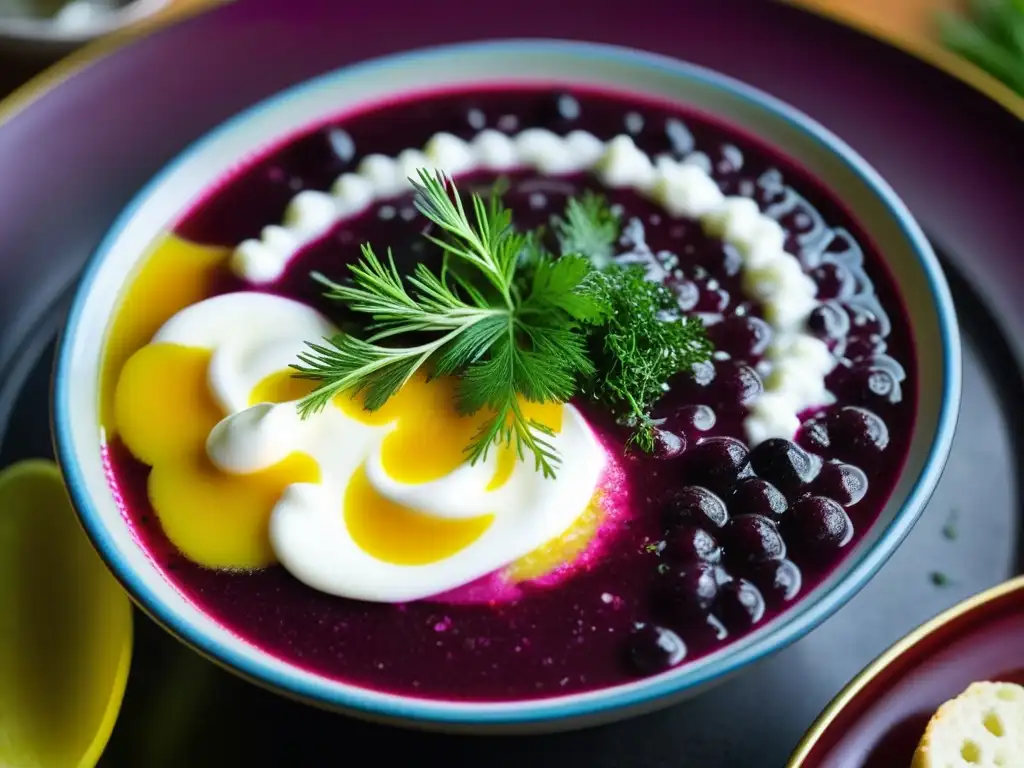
511, 320
990, 36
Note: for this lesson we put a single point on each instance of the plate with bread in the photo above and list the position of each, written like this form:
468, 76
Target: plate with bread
948, 695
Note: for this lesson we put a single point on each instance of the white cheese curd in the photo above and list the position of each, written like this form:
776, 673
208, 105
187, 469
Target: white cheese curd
772, 276
253, 336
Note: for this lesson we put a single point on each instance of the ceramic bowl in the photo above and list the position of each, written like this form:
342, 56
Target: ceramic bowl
883, 216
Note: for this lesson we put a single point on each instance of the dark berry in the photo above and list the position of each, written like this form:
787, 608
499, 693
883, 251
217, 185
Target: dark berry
743, 337
834, 281
683, 592
854, 431
713, 299
754, 496
820, 524
784, 464
829, 321
861, 348
736, 383
696, 385
690, 544
722, 576
693, 505
687, 294
693, 419
814, 435
668, 445
739, 605
718, 462
866, 316
752, 538
778, 580
844, 483
651, 649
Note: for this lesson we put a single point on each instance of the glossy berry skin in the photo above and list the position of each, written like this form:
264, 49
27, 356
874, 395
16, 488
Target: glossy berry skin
740, 605
717, 463
820, 524
753, 538
651, 649
743, 337
754, 496
668, 445
690, 544
843, 483
785, 465
779, 580
857, 432
694, 505
683, 593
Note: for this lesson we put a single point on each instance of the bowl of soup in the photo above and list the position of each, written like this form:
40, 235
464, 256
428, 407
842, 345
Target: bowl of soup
517, 385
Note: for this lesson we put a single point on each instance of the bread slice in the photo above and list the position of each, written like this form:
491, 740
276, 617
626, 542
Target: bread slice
983, 727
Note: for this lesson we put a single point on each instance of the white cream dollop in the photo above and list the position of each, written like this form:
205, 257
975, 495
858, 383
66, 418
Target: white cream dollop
255, 335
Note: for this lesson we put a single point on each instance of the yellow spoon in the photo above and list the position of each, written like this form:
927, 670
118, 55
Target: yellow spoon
65, 628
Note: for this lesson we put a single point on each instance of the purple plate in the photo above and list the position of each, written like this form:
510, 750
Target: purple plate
74, 155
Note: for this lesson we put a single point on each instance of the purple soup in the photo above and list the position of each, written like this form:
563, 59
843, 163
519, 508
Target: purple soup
719, 538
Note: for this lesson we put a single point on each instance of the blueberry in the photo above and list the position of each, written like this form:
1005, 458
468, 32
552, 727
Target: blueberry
736, 383
687, 294
743, 337
820, 524
860, 348
855, 431
718, 462
694, 505
844, 483
784, 464
834, 281
740, 605
690, 544
668, 445
752, 538
684, 592
722, 576
693, 419
779, 580
754, 496
651, 649
829, 321
697, 384
814, 435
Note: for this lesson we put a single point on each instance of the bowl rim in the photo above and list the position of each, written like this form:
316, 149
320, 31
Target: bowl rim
46, 31
359, 699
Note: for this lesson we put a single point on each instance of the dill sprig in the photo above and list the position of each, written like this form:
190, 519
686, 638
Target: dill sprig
645, 340
508, 337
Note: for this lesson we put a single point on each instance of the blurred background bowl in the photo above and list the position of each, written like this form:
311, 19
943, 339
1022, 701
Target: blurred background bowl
48, 28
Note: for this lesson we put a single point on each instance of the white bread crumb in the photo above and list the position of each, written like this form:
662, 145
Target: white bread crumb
983, 727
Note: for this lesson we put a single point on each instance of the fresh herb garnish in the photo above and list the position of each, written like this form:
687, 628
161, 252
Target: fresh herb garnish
511, 320
992, 37
939, 579
506, 337
646, 340
588, 227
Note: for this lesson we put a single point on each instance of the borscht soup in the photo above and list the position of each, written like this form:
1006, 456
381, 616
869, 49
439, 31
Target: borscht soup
506, 394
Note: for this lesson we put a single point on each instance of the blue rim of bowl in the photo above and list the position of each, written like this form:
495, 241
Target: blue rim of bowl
470, 713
